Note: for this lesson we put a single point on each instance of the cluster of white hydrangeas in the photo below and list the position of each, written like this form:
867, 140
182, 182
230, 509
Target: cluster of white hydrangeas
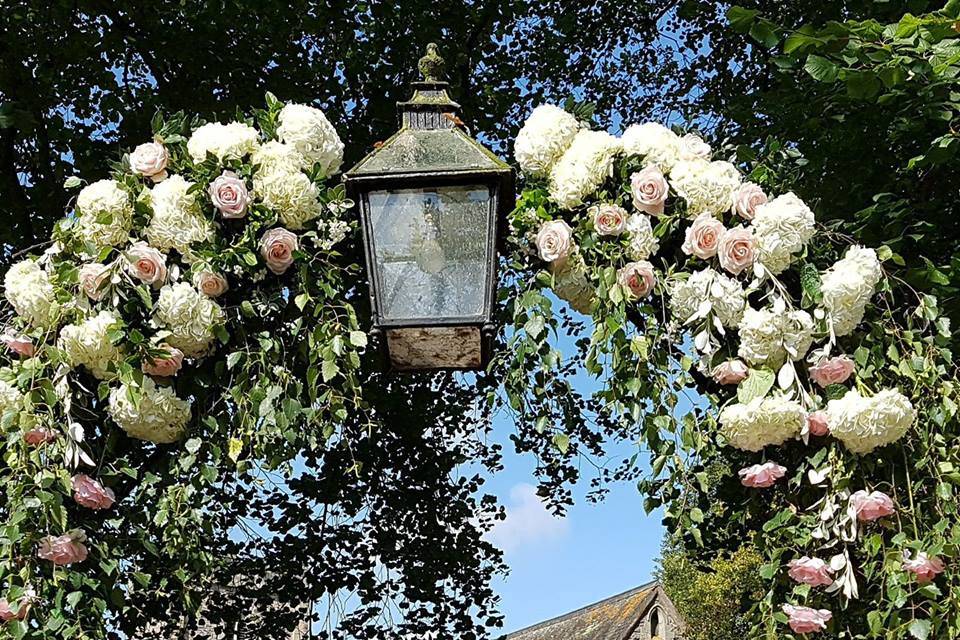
277, 156
658, 145
863, 424
706, 187
291, 194
641, 242
848, 286
545, 135
28, 289
190, 317
708, 291
781, 228
233, 140
104, 201
88, 344
572, 284
10, 397
308, 131
762, 422
769, 336
583, 167
160, 416
177, 219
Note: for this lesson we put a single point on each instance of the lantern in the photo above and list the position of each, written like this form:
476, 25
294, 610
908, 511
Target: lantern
431, 198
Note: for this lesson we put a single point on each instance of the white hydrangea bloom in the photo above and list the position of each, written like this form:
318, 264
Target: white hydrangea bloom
160, 417
706, 187
763, 422
88, 344
277, 156
863, 424
311, 134
10, 397
28, 289
641, 243
708, 290
291, 194
583, 167
658, 145
781, 227
769, 336
545, 135
107, 201
848, 286
189, 316
233, 140
177, 218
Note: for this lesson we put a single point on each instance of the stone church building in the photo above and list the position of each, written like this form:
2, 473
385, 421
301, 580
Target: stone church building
644, 613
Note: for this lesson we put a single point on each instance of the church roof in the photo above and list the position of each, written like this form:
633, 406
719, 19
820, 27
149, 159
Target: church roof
612, 619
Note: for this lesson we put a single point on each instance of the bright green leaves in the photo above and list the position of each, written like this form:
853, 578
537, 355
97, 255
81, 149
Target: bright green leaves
756, 385
821, 69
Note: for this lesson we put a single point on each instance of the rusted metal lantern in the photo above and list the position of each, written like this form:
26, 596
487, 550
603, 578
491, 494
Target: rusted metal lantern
431, 199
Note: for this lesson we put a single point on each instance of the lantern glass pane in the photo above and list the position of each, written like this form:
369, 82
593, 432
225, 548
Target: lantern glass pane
432, 251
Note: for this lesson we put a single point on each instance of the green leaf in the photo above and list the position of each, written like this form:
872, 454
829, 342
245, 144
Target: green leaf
234, 447
329, 370
810, 282
920, 629
562, 442
821, 69
741, 19
534, 326
862, 85
757, 384
72, 182
358, 339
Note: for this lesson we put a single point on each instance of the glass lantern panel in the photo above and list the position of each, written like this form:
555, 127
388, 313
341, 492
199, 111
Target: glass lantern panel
431, 251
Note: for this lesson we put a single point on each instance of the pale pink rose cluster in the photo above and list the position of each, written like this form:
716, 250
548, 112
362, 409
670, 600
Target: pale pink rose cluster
147, 264
94, 278
817, 423
735, 248
649, 189
39, 436
210, 284
7, 613
608, 219
746, 200
164, 366
761, 476
230, 196
925, 568
18, 344
555, 241
89, 493
65, 549
832, 371
730, 372
150, 161
805, 619
870, 506
638, 278
277, 247
812, 571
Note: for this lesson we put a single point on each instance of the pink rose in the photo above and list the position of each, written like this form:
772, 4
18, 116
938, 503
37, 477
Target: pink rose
147, 265
747, 199
832, 371
210, 284
21, 345
164, 367
89, 493
868, 507
150, 161
703, 237
693, 147
730, 372
649, 189
923, 566
817, 423
638, 278
65, 549
807, 620
229, 195
608, 219
761, 476
93, 280
737, 250
812, 571
555, 241
39, 435
7, 614
277, 247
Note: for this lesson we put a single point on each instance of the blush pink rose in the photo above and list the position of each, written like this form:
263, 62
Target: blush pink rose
924, 567
807, 620
737, 250
65, 549
93, 280
89, 493
871, 506
608, 219
229, 195
730, 372
277, 247
694, 147
817, 423
649, 189
150, 161
812, 571
747, 199
7, 614
210, 284
832, 371
638, 278
555, 241
147, 264
164, 367
703, 237
761, 476
39, 435
21, 345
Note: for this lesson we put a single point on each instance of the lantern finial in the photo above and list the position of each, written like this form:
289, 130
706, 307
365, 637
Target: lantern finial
432, 65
